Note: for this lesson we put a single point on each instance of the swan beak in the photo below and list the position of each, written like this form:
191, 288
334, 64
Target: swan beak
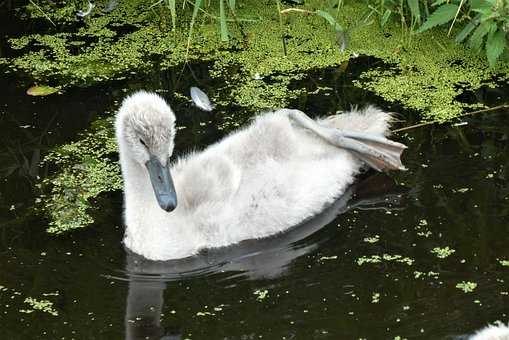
162, 183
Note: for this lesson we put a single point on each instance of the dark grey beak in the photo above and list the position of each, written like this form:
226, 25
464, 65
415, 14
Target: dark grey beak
162, 183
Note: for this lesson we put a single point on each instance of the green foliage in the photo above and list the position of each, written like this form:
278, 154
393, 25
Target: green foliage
442, 15
331, 20
173, 12
495, 45
488, 29
485, 23
84, 171
197, 5
134, 38
224, 28
415, 11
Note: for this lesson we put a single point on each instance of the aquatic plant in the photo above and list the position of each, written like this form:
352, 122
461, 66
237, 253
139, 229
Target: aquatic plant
372, 239
431, 274
135, 38
42, 305
504, 263
85, 171
408, 12
466, 287
261, 294
442, 252
385, 257
375, 298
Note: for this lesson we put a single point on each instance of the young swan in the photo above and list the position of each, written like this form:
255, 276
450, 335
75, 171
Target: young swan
497, 331
278, 171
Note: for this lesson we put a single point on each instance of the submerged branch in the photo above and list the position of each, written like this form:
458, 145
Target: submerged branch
43, 13
504, 106
289, 10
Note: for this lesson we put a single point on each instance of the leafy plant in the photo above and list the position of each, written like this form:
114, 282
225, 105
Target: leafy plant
486, 24
482, 24
408, 11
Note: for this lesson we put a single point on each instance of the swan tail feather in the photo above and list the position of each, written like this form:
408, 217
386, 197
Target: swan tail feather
368, 120
372, 148
378, 152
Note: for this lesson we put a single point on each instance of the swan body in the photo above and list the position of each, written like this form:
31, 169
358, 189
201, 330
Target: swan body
273, 174
497, 331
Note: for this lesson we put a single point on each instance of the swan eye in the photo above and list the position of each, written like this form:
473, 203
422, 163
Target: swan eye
143, 143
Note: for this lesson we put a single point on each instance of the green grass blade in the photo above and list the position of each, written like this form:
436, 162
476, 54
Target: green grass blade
442, 15
456, 16
231, 4
438, 2
43, 13
415, 11
197, 5
173, 12
330, 19
385, 18
281, 26
222, 20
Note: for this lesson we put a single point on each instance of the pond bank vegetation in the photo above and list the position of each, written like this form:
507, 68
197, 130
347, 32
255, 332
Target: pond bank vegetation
259, 47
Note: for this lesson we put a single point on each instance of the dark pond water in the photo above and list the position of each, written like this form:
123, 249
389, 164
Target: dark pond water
365, 268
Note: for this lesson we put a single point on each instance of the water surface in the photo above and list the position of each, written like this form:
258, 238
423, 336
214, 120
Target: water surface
365, 268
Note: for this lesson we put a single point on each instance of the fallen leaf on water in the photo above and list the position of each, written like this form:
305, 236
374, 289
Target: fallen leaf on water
41, 90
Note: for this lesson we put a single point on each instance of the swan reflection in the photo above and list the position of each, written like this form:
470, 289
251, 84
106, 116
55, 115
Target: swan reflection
252, 259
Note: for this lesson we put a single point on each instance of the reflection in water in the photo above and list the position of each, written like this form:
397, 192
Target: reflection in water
252, 259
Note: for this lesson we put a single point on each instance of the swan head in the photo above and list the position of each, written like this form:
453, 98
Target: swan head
145, 130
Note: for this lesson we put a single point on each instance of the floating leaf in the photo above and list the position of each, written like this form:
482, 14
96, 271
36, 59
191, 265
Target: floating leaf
443, 14
41, 90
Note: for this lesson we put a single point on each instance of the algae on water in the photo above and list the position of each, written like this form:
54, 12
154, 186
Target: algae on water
467, 287
427, 72
42, 305
85, 170
443, 252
